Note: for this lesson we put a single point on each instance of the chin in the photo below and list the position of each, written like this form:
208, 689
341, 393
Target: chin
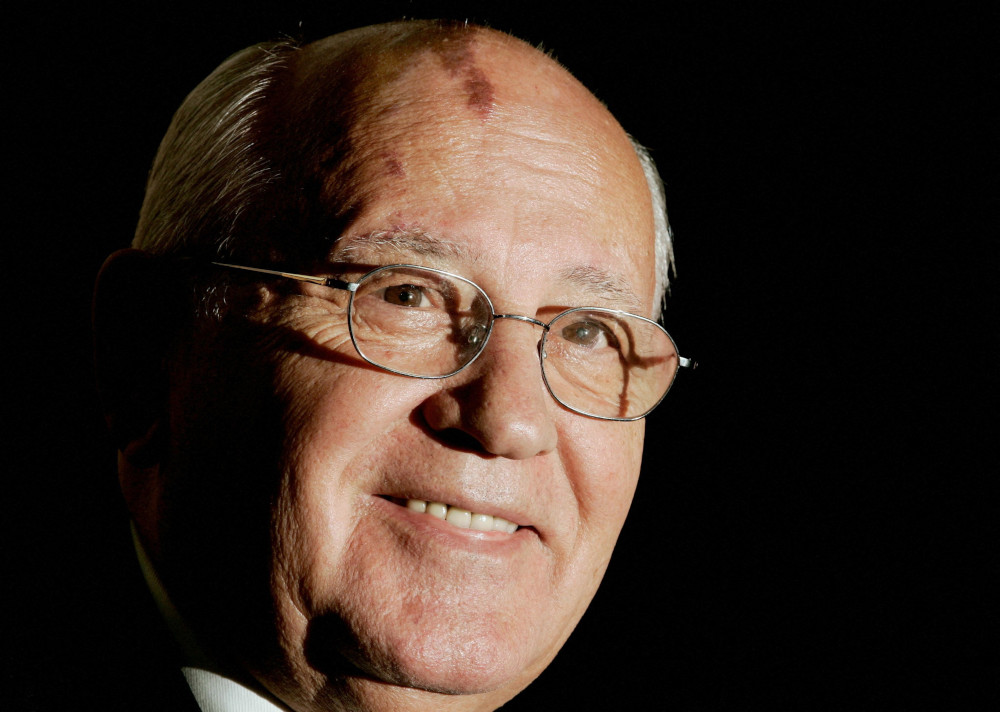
450, 660
463, 668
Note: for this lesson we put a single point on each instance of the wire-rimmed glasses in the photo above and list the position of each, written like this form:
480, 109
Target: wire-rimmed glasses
427, 323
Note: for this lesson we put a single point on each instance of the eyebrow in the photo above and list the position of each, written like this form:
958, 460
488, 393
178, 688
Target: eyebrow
419, 242
613, 287
414, 240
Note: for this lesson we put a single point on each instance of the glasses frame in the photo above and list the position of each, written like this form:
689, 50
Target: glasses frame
352, 287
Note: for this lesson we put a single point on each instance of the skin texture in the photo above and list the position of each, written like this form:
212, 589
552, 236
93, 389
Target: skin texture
268, 492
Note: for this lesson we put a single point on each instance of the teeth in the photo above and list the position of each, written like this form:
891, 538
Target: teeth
482, 522
462, 518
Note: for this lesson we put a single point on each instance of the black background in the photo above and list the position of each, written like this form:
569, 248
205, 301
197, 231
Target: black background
815, 520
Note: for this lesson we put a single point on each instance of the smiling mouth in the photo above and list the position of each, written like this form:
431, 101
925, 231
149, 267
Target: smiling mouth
457, 516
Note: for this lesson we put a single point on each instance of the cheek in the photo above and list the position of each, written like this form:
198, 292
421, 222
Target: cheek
334, 418
332, 411
602, 462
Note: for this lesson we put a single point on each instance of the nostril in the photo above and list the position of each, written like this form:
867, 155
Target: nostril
458, 440
448, 435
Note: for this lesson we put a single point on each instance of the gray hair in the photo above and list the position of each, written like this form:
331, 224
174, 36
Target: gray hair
664, 236
210, 168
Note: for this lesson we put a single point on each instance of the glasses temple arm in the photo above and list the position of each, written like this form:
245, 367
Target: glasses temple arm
325, 281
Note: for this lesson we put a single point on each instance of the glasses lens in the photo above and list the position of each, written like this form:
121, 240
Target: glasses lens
418, 321
608, 364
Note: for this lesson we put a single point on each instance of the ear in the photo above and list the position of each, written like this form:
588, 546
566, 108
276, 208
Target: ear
137, 311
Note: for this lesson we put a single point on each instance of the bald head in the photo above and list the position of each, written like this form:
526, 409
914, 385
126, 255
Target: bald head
275, 131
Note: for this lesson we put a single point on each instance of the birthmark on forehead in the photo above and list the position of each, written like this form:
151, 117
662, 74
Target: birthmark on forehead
455, 51
480, 93
457, 54
393, 164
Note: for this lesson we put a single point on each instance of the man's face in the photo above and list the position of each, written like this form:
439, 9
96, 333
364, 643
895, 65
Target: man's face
532, 191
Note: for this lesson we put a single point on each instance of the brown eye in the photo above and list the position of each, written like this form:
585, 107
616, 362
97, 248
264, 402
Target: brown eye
586, 333
405, 295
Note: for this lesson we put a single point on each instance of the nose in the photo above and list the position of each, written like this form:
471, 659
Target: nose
500, 401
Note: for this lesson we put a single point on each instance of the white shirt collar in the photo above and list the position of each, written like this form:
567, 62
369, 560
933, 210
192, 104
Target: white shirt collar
213, 691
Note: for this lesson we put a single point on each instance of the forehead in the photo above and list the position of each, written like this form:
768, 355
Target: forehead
490, 140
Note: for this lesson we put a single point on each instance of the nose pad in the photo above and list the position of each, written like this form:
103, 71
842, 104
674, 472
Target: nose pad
500, 400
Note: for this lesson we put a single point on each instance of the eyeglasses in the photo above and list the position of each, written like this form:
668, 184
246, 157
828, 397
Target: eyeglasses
427, 323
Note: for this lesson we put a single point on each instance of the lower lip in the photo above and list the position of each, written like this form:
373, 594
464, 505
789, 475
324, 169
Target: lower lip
429, 526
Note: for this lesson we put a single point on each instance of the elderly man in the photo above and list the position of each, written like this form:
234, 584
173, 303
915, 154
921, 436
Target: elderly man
378, 367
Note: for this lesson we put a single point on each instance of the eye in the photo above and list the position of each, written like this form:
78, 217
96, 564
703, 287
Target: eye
406, 295
589, 334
